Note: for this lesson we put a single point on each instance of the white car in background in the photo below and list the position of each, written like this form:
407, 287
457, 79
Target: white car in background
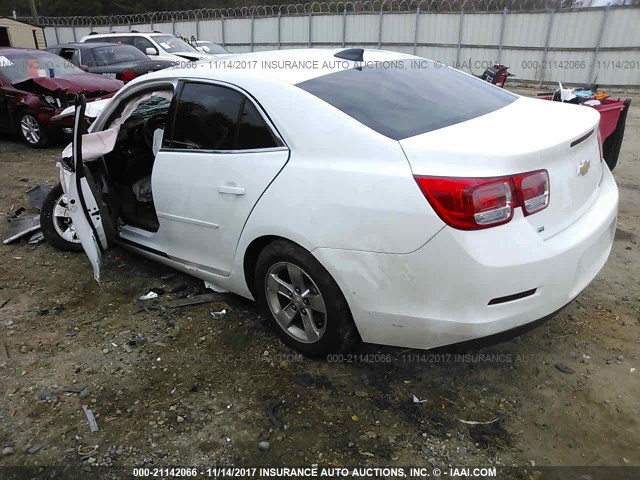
354, 194
157, 45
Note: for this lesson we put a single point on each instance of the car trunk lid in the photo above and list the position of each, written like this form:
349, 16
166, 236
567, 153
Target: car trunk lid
523, 136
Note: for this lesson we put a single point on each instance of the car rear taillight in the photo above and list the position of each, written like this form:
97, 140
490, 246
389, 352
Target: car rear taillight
534, 190
470, 203
477, 203
128, 74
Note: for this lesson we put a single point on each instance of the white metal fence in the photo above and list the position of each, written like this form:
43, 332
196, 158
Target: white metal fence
574, 46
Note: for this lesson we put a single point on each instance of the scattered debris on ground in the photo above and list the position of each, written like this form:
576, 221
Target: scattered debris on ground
168, 386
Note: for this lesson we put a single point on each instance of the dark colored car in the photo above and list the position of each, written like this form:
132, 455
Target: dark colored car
121, 61
37, 85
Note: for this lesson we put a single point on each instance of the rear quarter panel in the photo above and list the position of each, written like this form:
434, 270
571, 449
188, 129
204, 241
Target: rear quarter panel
344, 187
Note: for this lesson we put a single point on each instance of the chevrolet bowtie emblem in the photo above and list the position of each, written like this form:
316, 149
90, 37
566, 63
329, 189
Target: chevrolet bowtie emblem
583, 168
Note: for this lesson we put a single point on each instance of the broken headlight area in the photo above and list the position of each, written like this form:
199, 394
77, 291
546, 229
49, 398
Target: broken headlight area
53, 101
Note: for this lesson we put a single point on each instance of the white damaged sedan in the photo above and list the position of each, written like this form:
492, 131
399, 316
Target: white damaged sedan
355, 194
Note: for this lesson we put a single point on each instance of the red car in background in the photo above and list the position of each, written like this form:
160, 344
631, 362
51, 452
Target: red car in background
36, 86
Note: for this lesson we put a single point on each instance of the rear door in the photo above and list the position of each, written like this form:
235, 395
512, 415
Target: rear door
90, 214
220, 153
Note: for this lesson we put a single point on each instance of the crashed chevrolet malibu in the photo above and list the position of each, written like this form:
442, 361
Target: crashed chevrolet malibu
38, 85
382, 198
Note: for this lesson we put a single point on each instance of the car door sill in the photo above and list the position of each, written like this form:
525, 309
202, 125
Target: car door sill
195, 269
129, 243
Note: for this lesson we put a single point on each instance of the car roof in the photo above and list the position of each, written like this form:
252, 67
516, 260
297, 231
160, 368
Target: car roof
89, 45
10, 50
124, 34
289, 66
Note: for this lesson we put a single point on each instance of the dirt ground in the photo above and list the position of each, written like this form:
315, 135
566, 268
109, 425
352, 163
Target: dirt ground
179, 387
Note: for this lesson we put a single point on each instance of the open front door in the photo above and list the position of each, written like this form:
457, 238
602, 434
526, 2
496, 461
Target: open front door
90, 214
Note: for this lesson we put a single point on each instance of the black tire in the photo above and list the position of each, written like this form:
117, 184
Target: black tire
340, 333
47, 220
43, 134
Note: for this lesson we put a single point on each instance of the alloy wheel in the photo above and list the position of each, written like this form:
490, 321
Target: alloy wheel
62, 220
296, 302
30, 128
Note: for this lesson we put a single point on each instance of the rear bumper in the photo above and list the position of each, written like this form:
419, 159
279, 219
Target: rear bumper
440, 293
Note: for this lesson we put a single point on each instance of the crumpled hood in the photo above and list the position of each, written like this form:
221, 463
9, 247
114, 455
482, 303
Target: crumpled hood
86, 83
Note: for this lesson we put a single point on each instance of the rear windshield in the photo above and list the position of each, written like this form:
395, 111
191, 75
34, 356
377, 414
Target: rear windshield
108, 55
403, 98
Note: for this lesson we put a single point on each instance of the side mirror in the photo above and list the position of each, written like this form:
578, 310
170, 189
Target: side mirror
84, 68
151, 51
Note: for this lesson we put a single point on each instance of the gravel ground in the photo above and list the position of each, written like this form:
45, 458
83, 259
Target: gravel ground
174, 386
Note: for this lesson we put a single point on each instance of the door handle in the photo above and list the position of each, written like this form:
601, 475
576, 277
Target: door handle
231, 190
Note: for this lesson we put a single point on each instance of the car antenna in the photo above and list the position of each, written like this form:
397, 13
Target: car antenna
353, 54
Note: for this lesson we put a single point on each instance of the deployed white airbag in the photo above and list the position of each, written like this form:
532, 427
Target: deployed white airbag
95, 145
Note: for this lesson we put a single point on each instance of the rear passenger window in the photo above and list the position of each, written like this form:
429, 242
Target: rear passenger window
211, 117
253, 132
71, 54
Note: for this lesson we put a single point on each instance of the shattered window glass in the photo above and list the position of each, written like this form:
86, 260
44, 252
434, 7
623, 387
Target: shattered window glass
150, 107
155, 105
